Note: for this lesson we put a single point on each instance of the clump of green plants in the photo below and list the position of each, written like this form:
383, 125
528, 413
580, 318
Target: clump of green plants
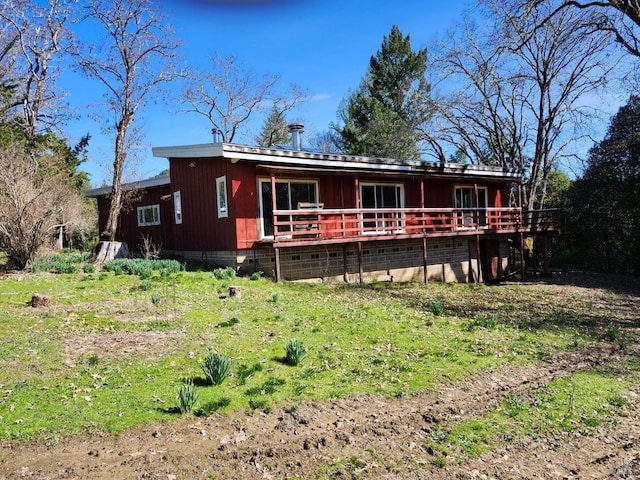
615, 335
275, 297
187, 398
89, 268
66, 261
142, 267
479, 321
255, 276
156, 298
437, 308
224, 273
294, 352
216, 367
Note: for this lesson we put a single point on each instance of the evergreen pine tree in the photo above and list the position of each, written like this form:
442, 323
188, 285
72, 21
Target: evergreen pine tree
382, 116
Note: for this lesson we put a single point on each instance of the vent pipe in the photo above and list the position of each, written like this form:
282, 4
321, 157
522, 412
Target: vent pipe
296, 130
217, 135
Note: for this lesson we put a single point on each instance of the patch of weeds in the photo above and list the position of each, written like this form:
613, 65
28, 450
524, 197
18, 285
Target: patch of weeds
216, 367
437, 308
351, 467
294, 352
89, 268
616, 335
275, 297
187, 398
156, 298
479, 321
440, 461
229, 323
617, 400
213, 406
145, 285
268, 387
259, 404
245, 371
255, 276
224, 273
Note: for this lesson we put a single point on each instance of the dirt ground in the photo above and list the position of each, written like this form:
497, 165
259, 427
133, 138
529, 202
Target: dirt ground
356, 437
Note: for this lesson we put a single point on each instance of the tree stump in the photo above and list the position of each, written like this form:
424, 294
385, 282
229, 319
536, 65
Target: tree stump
109, 250
38, 300
235, 291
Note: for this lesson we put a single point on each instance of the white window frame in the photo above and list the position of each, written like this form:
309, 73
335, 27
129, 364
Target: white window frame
464, 223
291, 207
381, 223
177, 207
222, 197
155, 214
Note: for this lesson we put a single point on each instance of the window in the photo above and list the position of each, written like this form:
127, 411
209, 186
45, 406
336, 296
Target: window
288, 195
469, 214
177, 207
221, 189
380, 197
148, 215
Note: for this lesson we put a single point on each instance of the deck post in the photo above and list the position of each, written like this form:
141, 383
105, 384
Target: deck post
277, 258
522, 266
546, 269
360, 270
424, 258
478, 259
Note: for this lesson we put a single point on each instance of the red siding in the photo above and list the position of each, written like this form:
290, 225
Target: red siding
201, 229
128, 229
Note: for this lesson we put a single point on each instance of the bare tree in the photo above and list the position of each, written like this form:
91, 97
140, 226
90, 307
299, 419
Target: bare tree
134, 57
34, 37
230, 94
621, 18
35, 198
521, 90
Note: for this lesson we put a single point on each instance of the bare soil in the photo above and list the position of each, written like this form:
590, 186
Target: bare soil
361, 436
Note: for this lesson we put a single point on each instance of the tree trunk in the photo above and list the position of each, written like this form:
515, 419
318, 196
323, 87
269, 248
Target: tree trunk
106, 251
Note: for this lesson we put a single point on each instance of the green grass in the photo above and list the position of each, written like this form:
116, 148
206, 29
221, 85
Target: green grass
74, 366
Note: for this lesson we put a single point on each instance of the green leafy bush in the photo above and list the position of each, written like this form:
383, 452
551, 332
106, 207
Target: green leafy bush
294, 352
89, 268
216, 367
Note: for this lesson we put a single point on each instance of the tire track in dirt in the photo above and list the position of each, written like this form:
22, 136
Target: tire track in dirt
381, 437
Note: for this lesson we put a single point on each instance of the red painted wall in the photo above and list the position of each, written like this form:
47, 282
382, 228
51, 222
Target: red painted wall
202, 230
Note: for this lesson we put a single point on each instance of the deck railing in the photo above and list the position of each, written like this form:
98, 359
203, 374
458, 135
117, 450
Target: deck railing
341, 225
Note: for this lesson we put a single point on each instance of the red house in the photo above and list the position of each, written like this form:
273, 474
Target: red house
298, 214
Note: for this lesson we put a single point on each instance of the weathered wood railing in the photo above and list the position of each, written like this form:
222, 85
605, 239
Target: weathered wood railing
340, 225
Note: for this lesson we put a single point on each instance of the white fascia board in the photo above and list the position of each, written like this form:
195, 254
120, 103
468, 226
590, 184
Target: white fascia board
189, 151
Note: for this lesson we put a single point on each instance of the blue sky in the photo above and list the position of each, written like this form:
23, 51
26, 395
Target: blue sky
323, 46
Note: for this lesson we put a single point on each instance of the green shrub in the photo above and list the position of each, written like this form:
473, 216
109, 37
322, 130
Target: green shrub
255, 276
437, 308
89, 268
294, 352
187, 398
216, 367
224, 273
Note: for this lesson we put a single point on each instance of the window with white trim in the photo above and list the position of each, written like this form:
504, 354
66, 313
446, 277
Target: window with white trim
221, 191
469, 214
177, 207
148, 215
382, 196
289, 193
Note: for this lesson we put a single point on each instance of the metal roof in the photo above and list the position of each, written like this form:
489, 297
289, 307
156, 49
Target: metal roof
331, 161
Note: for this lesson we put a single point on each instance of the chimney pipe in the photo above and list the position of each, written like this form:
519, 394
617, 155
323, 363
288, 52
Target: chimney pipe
217, 135
296, 130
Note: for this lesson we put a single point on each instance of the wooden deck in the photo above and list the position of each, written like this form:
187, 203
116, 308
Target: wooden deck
325, 226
